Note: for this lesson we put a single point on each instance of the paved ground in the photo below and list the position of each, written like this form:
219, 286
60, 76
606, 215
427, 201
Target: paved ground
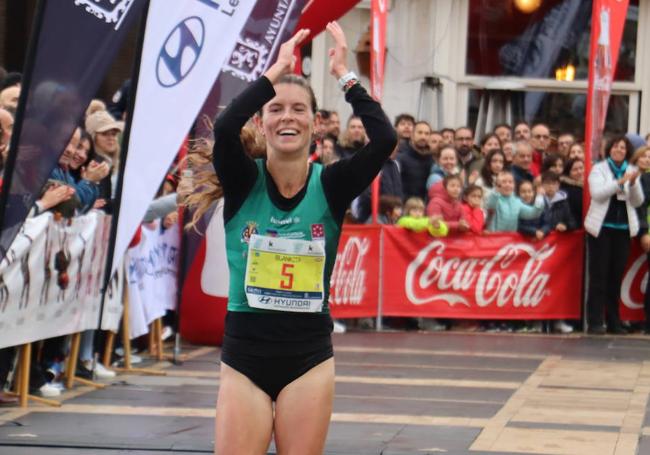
396, 393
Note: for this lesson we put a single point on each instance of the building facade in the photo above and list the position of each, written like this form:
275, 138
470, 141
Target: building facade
483, 62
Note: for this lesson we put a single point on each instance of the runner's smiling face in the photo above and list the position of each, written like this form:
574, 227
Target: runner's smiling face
287, 120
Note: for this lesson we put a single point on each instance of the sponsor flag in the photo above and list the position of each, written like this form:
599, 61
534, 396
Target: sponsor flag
379, 13
607, 23
71, 49
185, 46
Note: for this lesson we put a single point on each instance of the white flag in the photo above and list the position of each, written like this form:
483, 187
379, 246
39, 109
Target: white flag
185, 46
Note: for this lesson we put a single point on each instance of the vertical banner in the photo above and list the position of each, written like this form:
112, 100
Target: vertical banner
270, 24
185, 46
72, 47
354, 290
378, 13
607, 23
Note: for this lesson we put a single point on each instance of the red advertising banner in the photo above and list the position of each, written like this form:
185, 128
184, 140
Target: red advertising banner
354, 290
633, 286
494, 276
607, 22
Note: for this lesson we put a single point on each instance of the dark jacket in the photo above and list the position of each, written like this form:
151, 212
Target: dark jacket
557, 211
521, 174
574, 193
642, 210
105, 185
390, 184
414, 168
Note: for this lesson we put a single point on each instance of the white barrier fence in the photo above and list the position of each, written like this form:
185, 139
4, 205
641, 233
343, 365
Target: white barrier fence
152, 268
51, 277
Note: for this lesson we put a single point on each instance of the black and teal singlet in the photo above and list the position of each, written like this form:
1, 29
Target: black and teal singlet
310, 219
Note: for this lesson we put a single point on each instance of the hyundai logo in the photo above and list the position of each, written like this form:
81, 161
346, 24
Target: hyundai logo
180, 52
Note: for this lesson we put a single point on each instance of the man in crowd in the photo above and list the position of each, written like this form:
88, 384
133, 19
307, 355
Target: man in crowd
354, 138
522, 131
541, 141
404, 124
564, 143
435, 143
470, 158
448, 136
521, 161
415, 162
503, 132
334, 124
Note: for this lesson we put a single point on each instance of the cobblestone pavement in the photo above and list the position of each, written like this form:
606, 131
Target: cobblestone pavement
396, 393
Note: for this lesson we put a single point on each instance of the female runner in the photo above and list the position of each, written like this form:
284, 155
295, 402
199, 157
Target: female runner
283, 220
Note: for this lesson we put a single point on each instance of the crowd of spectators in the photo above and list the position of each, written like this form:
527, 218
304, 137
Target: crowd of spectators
84, 179
518, 178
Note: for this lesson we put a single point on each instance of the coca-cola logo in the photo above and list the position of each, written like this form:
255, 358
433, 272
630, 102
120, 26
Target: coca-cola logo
348, 282
634, 284
432, 277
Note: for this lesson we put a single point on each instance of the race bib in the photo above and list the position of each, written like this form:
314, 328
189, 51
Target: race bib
285, 274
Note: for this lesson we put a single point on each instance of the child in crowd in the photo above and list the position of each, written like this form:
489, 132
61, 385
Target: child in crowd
390, 210
472, 211
445, 205
529, 227
557, 212
415, 220
507, 209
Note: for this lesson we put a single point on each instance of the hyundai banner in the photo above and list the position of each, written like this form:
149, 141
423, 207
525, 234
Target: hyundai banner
185, 46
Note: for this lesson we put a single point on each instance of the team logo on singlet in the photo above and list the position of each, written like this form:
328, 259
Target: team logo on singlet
317, 232
248, 230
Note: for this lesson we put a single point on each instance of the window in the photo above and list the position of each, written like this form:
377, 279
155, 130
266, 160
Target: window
563, 112
504, 41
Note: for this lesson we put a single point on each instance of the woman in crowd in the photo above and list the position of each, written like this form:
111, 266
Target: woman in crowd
279, 350
490, 142
577, 151
553, 162
447, 165
611, 221
105, 131
572, 182
494, 163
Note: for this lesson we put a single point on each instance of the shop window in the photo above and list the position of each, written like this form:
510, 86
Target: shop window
563, 112
540, 39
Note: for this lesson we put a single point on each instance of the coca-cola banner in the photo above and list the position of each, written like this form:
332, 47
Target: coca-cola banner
493, 276
633, 286
354, 291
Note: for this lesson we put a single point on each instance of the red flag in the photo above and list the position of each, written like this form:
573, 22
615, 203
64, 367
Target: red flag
378, 12
607, 23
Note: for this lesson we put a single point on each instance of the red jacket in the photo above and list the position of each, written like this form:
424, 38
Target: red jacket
449, 209
474, 217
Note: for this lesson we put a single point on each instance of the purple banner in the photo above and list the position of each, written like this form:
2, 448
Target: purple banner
73, 45
269, 25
